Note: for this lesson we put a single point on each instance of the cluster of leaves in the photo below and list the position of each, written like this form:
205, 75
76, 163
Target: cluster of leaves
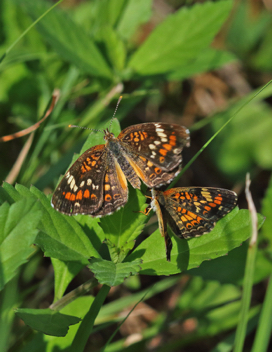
96, 40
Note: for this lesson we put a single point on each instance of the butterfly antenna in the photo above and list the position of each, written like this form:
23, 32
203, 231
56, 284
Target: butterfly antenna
118, 102
85, 128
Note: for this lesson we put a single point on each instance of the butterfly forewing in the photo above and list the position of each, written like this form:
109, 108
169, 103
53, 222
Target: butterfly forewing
160, 143
79, 192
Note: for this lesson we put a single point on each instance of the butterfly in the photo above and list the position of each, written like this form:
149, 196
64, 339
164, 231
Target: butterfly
190, 212
96, 183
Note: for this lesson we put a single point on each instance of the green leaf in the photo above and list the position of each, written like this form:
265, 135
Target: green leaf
180, 38
64, 273
134, 14
118, 254
210, 59
67, 38
8, 193
114, 47
18, 230
228, 233
127, 223
111, 274
47, 321
60, 236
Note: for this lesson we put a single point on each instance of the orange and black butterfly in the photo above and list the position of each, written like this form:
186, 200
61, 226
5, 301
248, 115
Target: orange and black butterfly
96, 184
190, 212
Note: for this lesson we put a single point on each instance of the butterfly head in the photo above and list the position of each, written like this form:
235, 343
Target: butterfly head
108, 135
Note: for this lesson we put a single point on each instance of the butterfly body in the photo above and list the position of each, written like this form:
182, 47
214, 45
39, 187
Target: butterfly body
96, 183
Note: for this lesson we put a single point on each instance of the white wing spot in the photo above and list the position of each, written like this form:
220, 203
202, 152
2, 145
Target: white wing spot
72, 184
75, 188
89, 182
162, 135
82, 184
70, 179
157, 142
152, 146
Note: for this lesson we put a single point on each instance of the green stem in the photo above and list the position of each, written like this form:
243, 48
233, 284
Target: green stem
71, 296
265, 323
249, 274
246, 298
87, 323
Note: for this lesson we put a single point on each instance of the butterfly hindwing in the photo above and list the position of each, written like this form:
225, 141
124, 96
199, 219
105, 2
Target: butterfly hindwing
196, 210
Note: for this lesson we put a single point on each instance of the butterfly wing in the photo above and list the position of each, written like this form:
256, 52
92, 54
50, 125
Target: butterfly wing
115, 189
154, 150
81, 189
196, 210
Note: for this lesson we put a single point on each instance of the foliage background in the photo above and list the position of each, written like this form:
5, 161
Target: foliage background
93, 51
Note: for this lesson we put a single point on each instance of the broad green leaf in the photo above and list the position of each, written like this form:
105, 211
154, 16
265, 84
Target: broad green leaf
18, 230
47, 321
103, 13
127, 223
118, 254
180, 38
134, 14
67, 38
228, 233
5, 196
108, 273
209, 59
64, 272
40, 342
8, 193
60, 236
113, 46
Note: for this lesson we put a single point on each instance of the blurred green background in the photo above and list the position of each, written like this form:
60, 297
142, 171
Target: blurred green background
188, 62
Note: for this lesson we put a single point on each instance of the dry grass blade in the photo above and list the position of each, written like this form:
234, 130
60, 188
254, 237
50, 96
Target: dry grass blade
19, 162
55, 97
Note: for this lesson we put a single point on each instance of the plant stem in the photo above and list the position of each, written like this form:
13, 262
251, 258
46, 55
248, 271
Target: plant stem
249, 274
265, 323
87, 323
71, 296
